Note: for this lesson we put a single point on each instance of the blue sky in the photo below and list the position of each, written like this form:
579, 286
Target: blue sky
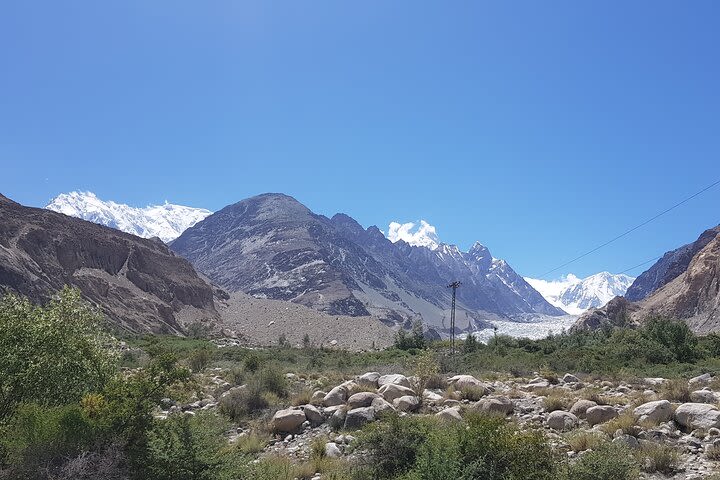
540, 129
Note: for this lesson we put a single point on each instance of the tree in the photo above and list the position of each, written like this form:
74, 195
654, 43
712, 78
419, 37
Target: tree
51, 355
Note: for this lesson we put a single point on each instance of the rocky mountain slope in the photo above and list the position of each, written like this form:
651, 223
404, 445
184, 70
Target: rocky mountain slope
272, 246
139, 284
669, 267
692, 295
576, 295
166, 221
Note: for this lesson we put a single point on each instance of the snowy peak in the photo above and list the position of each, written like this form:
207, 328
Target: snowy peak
575, 295
422, 235
165, 221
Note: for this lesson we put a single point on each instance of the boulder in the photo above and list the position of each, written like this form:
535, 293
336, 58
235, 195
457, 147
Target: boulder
561, 421
703, 396
697, 415
627, 441
287, 421
570, 378
431, 397
369, 379
450, 414
537, 384
394, 379
358, 417
600, 414
336, 396
704, 378
332, 450
655, 412
497, 405
313, 415
361, 399
580, 407
380, 405
465, 381
392, 391
407, 403
317, 397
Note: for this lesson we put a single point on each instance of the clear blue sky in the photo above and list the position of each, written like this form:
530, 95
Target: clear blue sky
539, 128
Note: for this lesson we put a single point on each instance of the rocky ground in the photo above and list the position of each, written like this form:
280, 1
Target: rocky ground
572, 411
262, 322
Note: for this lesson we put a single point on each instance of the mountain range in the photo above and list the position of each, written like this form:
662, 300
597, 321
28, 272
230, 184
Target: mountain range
575, 295
683, 284
169, 221
165, 221
272, 246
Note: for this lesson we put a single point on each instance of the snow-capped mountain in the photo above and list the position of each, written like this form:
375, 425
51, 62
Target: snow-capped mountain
576, 295
165, 221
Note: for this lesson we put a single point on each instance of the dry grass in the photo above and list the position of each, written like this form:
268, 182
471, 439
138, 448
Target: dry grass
555, 402
472, 394
676, 390
301, 397
252, 443
713, 452
625, 422
656, 457
582, 440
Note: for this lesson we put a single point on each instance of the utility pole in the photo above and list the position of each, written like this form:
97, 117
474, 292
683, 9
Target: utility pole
454, 287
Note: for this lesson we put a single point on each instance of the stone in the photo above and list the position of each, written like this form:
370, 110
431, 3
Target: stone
496, 404
336, 396
627, 441
358, 417
392, 391
580, 407
332, 450
570, 378
394, 379
704, 378
369, 379
317, 397
451, 414
313, 415
600, 414
380, 405
465, 381
361, 399
654, 381
655, 412
703, 396
431, 397
407, 403
697, 415
288, 420
561, 421
537, 384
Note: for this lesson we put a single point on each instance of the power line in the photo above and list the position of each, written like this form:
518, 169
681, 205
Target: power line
640, 265
627, 232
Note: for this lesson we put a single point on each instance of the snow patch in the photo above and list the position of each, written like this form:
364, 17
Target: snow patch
423, 235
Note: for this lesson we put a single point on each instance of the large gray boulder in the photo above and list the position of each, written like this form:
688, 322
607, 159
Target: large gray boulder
600, 414
451, 414
703, 396
313, 415
561, 421
361, 399
697, 415
380, 405
392, 391
580, 407
336, 396
369, 380
460, 382
358, 417
394, 379
407, 403
655, 412
499, 405
287, 421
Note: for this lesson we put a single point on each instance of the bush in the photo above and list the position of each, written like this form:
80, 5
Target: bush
470, 344
415, 339
608, 462
555, 402
239, 404
51, 355
484, 447
656, 457
675, 390
581, 440
186, 447
199, 359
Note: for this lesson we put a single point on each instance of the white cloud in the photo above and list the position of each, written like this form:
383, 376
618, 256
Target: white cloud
423, 235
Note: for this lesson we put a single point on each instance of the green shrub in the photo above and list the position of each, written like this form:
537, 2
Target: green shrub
51, 355
608, 462
199, 359
484, 447
186, 447
415, 339
656, 457
239, 404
